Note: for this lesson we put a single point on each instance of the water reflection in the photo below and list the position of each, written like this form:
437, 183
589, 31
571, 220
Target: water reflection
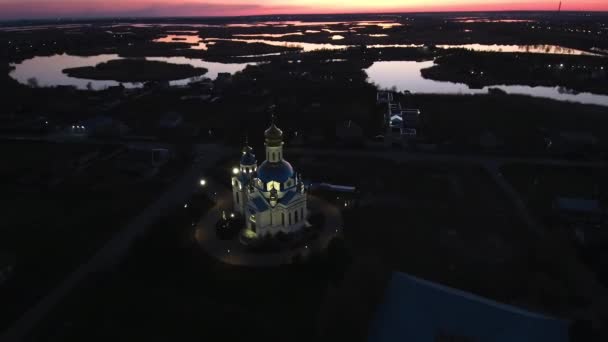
179, 38
306, 47
385, 24
268, 35
547, 49
48, 70
199, 44
380, 23
485, 20
544, 49
194, 40
407, 76
334, 31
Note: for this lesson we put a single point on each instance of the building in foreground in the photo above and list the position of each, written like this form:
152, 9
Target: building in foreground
271, 197
418, 310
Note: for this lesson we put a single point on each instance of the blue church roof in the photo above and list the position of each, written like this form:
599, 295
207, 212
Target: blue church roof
422, 311
260, 204
248, 158
277, 172
287, 197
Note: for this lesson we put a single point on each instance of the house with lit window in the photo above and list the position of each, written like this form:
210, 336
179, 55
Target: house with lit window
271, 197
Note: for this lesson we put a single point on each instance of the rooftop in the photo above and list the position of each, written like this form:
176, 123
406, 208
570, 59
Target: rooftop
578, 204
418, 310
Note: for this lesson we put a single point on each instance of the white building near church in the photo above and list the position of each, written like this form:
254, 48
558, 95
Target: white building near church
271, 197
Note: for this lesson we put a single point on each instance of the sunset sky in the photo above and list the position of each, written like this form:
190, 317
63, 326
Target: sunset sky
15, 9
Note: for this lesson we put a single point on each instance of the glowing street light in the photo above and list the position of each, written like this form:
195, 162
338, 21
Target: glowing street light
186, 205
235, 171
203, 182
232, 215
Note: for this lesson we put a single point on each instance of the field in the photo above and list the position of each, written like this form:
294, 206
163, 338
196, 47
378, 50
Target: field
540, 186
450, 223
60, 203
168, 288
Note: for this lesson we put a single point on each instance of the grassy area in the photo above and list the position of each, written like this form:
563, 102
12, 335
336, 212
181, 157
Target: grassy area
541, 185
58, 211
168, 288
521, 123
451, 224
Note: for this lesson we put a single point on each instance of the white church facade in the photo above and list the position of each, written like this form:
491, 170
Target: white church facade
271, 197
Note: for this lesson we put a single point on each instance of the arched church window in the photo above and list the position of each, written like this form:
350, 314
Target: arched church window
296, 216
290, 219
283, 219
273, 156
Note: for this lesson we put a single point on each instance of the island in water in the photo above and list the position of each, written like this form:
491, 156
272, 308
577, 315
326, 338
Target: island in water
136, 70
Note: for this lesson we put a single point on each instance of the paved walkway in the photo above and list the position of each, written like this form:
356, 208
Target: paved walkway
234, 253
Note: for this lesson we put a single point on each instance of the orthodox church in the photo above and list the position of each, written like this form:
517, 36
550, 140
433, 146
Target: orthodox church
271, 197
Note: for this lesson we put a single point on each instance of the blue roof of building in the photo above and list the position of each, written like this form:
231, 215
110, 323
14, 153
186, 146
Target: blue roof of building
243, 178
248, 158
278, 172
288, 197
422, 311
578, 204
260, 203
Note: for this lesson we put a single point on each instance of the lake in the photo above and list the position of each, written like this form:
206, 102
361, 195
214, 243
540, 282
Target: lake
407, 76
307, 47
48, 70
403, 75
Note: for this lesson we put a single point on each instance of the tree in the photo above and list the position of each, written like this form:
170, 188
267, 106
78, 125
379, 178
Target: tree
32, 82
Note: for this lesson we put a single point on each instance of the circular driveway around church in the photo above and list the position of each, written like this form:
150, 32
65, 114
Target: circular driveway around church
234, 253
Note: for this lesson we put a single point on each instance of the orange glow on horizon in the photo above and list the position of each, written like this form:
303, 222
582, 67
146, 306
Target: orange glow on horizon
11, 9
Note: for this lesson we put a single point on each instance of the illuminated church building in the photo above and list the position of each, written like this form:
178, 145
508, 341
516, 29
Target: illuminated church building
271, 197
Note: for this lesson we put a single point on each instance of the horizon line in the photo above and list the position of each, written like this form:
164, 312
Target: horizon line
292, 14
